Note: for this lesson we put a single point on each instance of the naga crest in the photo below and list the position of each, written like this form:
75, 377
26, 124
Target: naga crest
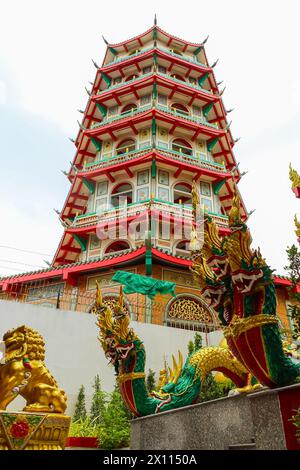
116, 338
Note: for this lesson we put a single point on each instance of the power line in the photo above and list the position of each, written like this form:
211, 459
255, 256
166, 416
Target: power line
24, 251
23, 264
6, 267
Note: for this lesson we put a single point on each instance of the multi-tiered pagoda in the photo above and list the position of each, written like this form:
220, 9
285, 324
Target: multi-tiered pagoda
154, 126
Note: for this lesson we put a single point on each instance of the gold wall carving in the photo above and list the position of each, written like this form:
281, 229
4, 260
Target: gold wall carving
185, 308
180, 278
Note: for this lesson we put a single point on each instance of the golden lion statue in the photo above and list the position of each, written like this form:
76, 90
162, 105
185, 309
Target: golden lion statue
23, 372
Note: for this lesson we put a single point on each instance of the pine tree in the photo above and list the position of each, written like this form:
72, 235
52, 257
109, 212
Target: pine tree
98, 402
80, 407
150, 381
197, 341
191, 347
115, 430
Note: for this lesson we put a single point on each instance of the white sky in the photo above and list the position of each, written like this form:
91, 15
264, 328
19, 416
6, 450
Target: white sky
45, 63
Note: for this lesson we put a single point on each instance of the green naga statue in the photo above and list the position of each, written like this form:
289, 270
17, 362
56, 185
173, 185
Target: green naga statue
126, 352
236, 281
238, 284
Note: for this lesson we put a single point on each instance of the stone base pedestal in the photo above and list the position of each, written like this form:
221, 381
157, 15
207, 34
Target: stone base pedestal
260, 420
33, 431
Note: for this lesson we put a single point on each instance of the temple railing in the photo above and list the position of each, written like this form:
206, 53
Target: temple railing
180, 211
154, 105
161, 74
170, 153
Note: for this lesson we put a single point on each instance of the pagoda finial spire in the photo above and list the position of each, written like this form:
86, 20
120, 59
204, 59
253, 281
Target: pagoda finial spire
155, 19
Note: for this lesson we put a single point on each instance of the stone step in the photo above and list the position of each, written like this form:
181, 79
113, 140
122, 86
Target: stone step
247, 446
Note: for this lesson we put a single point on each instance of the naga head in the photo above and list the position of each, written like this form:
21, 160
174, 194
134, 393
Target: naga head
116, 338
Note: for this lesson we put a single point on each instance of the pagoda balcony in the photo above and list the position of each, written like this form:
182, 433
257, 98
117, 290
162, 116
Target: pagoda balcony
193, 60
159, 74
156, 206
193, 160
165, 109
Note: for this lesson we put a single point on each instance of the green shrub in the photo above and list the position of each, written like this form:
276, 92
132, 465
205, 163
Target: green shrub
114, 432
80, 408
83, 428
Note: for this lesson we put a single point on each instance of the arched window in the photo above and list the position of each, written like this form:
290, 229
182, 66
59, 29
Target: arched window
129, 108
178, 77
131, 77
183, 193
182, 146
179, 108
114, 247
182, 248
126, 146
191, 313
121, 195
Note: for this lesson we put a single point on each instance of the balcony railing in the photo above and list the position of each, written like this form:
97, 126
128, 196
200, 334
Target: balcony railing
135, 208
178, 156
184, 57
153, 105
166, 51
145, 75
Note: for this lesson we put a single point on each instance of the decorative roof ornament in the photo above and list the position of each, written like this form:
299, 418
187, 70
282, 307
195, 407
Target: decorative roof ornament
95, 64
81, 126
222, 91
294, 177
214, 64
229, 110
72, 140
297, 225
88, 92
195, 198
205, 40
236, 140
155, 19
234, 216
220, 83
80, 111
64, 172
106, 42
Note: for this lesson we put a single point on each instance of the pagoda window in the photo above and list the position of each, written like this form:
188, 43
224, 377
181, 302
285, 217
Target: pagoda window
116, 246
126, 146
134, 51
178, 77
179, 108
182, 146
162, 99
193, 80
147, 69
176, 51
206, 198
182, 248
129, 108
101, 196
131, 77
146, 99
197, 111
117, 80
121, 195
112, 111
162, 69
183, 193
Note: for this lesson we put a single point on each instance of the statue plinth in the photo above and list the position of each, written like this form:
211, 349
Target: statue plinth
33, 431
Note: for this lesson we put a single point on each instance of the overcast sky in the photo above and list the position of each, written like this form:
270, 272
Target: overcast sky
45, 63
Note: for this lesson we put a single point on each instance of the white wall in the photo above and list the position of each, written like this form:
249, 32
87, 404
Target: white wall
73, 353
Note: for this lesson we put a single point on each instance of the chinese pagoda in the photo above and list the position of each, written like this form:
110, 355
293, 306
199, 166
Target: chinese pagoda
154, 125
